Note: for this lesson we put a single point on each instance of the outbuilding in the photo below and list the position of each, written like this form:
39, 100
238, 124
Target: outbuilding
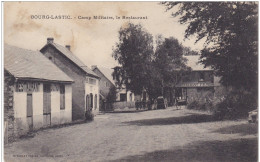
36, 92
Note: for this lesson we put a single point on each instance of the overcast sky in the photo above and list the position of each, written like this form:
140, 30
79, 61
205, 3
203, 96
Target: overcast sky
90, 40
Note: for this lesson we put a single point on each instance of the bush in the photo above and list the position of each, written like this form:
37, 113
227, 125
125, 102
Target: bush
193, 105
89, 115
201, 105
235, 105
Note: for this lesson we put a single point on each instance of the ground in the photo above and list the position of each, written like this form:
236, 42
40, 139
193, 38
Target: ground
158, 135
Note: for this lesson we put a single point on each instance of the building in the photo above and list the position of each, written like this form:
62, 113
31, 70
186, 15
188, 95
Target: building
107, 82
85, 89
36, 92
198, 84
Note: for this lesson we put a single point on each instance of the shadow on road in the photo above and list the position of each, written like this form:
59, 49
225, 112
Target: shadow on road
127, 111
239, 150
243, 129
195, 118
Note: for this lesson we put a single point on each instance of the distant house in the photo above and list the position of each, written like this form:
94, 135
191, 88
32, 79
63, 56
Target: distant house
198, 84
85, 89
36, 92
107, 81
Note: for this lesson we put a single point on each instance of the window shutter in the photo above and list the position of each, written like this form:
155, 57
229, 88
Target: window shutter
29, 105
62, 97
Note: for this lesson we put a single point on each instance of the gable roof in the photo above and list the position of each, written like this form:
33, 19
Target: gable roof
192, 61
72, 57
107, 72
27, 64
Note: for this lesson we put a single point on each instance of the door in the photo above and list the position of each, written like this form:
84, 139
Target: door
95, 103
91, 101
29, 111
87, 102
122, 96
46, 104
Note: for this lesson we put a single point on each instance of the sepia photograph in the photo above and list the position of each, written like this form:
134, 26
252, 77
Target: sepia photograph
130, 81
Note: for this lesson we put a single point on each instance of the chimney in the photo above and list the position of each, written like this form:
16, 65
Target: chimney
68, 47
50, 40
93, 67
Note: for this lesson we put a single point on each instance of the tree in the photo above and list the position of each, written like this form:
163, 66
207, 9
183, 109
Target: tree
111, 96
188, 52
230, 29
231, 46
134, 53
170, 63
169, 60
143, 69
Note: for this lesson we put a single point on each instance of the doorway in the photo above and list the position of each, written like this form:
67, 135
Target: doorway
46, 104
29, 112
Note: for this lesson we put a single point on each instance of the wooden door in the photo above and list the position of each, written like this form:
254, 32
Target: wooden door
46, 104
95, 103
91, 100
87, 102
29, 111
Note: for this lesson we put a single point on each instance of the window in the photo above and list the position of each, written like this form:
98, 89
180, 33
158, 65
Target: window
50, 58
92, 81
62, 97
122, 97
201, 77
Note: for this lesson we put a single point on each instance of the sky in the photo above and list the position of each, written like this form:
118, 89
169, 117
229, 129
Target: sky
91, 40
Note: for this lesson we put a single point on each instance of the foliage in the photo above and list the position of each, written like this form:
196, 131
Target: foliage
141, 68
188, 52
201, 105
111, 96
236, 104
169, 61
230, 30
134, 53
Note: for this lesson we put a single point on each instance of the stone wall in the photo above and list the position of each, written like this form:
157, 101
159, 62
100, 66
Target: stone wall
9, 121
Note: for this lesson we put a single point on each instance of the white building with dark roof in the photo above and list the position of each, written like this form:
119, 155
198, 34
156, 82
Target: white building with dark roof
85, 89
107, 81
36, 92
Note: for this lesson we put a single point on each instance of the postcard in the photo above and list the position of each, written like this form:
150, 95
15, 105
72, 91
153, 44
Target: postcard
130, 81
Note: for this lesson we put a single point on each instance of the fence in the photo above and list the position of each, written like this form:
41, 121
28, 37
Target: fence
111, 106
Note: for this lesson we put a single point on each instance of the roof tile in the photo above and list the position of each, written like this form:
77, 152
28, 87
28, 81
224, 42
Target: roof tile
73, 58
23, 63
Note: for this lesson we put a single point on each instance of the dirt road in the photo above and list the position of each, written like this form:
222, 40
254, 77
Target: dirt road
158, 135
